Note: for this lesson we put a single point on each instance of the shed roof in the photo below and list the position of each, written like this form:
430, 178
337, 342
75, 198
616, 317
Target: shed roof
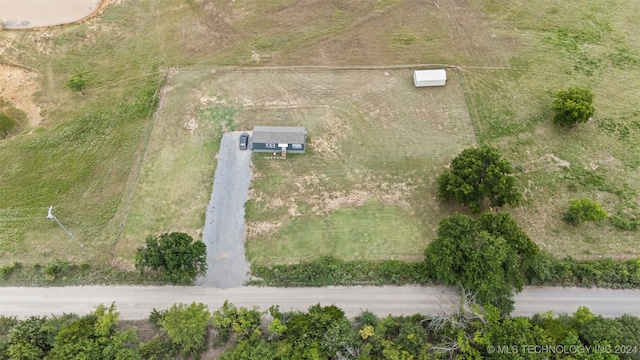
279, 134
430, 75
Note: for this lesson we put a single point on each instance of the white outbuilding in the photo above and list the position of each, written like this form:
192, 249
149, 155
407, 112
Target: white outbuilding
436, 77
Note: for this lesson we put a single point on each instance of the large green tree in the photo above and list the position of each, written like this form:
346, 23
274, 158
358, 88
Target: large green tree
572, 106
176, 255
488, 257
477, 174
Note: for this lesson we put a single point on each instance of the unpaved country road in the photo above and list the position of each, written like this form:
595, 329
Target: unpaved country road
223, 231
137, 302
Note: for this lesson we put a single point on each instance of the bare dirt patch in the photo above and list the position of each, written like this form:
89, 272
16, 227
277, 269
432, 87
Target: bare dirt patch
18, 86
547, 161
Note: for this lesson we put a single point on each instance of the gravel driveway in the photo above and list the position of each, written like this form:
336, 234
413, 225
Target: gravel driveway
224, 224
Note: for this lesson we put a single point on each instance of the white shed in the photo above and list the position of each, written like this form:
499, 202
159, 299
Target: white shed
436, 77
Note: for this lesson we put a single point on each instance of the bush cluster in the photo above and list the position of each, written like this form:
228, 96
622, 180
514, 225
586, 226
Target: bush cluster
585, 273
545, 270
328, 270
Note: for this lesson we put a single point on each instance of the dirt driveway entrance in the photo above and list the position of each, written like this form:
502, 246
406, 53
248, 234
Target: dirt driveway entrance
223, 231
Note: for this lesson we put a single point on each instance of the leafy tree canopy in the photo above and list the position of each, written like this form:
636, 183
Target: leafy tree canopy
476, 174
488, 257
187, 326
176, 255
572, 106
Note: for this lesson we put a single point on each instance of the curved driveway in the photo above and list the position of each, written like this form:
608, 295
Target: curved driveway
223, 231
137, 302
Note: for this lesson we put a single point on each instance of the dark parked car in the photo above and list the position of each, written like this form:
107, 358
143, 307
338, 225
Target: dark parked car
244, 141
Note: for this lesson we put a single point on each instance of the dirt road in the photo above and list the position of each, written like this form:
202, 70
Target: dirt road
223, 231
137, 302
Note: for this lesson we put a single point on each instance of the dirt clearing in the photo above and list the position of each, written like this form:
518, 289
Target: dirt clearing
18, 86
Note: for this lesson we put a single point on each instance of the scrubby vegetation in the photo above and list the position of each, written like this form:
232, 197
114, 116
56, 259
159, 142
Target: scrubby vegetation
321, 332
64, 273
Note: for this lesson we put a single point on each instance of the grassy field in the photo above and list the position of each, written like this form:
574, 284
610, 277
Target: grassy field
115, 171
592, 44
364, 188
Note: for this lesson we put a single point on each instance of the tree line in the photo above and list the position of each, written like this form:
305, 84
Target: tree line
187, 331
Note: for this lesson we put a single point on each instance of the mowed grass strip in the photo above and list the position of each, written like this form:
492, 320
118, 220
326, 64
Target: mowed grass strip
371, 232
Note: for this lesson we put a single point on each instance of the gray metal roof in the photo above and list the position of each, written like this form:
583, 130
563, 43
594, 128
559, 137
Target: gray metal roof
279, 134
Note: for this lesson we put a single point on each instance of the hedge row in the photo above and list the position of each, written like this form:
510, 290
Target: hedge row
328, 270
568, 271
547, 270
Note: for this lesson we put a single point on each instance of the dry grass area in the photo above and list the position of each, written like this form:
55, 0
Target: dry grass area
592, 45
364, 188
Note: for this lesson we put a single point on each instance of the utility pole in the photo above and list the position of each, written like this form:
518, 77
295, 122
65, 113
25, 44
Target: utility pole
51, 216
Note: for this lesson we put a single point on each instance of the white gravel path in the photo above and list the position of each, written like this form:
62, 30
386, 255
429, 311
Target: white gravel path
224, 232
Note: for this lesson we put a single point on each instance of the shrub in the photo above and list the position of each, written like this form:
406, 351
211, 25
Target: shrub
155, 316
622, 223
157, 348
5, 272
584, 210
55, 268
7, 125
572, 106
77, 82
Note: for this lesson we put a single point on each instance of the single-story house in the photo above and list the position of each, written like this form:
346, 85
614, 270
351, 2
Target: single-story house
437, 77
286, 139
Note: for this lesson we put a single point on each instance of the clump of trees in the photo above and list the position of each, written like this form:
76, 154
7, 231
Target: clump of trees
572, 106
489, 256
321, 332
177, 256
477, 174
68, 336
584, 210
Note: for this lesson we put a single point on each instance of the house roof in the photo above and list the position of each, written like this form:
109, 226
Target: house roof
279, 134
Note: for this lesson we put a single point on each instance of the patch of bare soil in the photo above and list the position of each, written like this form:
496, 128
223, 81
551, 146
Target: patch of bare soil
327, 144
18, 86
545, 161
393, 194
259, 228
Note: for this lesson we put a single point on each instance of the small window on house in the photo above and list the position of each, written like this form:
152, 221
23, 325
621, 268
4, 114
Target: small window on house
271, 146
296, 146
